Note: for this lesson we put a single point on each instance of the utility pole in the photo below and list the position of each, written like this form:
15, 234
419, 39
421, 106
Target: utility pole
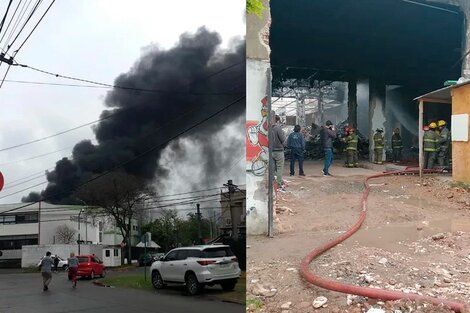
39, 223
231, 189
199, 223
78, 241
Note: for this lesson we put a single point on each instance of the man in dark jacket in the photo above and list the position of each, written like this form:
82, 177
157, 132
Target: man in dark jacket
327, 135
296, 143
279, 142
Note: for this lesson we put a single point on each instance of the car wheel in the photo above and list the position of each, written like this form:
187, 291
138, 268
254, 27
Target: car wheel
228, 285
192, 284
92, 275
157, 280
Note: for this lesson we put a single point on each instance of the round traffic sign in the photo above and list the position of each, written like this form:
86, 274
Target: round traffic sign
2, 181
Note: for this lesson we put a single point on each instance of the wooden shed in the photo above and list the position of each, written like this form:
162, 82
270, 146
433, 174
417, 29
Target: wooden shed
458, 96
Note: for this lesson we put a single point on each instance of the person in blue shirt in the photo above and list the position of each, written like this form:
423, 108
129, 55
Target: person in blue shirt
296, 143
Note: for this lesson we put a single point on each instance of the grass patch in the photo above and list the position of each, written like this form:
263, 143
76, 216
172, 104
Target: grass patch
458, 184
130, 281
238, 295
30, 269
254, 302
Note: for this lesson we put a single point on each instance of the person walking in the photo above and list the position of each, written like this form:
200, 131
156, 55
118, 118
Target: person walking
279, 142
46, 270
378, 146
56, 264
444, 143
351, 148
327, 134
296, 143
430, 144
73, 268
397, 145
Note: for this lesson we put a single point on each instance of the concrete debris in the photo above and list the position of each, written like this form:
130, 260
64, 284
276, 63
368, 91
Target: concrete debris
374, 310
438, 236
260, 290
350, 299
319, 302
291, 269
383, 261
286, 306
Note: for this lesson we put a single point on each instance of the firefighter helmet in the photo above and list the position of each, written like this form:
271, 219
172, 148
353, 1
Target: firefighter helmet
432, 125
441, 123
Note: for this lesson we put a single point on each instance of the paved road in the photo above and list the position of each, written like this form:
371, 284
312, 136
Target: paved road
22, 293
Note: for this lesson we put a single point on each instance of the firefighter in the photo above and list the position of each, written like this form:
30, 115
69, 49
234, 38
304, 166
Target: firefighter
351, 148
444, 142
397, 145
378, 146
430, 143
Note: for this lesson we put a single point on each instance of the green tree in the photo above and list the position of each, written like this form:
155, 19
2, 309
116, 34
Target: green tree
255, 7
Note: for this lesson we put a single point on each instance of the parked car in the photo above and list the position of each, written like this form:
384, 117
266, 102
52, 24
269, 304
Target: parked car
196, 267
90, 266
149, 258
63, 264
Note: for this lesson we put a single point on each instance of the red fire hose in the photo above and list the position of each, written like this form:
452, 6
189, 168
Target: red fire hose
358, 290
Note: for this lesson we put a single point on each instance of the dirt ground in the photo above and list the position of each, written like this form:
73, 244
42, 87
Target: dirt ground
416, 238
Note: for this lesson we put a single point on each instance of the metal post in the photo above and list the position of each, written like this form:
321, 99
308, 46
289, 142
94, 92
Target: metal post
199, 234
79, 213
270, 157
39, 223
421, 133
231, 189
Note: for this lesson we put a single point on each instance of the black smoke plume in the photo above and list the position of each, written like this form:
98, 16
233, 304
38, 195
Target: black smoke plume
141, 120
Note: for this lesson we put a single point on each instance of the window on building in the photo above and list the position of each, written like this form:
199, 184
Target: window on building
116, 252
107, 253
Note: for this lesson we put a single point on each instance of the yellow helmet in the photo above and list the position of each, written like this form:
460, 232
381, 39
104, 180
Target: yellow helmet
432, 125
441, 123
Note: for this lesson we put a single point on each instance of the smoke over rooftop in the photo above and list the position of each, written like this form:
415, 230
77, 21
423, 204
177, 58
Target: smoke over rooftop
140, 120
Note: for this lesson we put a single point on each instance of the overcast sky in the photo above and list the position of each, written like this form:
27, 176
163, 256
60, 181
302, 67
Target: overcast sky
95, 40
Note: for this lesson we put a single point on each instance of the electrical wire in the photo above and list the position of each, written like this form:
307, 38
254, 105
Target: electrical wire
21, 46
170, 92
138, 156
13, 16
117, 112
35, 157
17, 21
5, 16
25, 23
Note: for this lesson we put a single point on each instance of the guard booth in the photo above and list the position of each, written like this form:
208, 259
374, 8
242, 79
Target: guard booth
458, 96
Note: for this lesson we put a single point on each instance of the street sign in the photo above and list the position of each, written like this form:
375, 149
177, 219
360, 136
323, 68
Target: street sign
2, 181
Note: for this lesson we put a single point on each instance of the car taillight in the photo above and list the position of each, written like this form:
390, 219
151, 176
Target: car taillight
205, 262
235, 259
89, 264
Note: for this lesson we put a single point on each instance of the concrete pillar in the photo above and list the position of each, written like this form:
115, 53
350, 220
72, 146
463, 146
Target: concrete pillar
258, 72
352, 102
376, 112
301, 120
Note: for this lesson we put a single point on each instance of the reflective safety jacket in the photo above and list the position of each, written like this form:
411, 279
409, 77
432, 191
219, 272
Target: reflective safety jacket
444, 139
351, 142
396, 141
430, 140
378, 141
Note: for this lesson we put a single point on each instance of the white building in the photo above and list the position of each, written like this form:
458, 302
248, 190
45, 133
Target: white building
37, 224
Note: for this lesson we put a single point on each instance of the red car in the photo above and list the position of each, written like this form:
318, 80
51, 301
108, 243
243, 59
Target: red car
90, 266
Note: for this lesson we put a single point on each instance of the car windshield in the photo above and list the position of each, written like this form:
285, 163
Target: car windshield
219, 252
82, 259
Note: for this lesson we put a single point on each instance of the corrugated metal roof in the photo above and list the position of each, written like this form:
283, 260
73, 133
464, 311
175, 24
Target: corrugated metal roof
443, 94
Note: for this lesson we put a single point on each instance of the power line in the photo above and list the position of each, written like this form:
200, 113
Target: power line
5, 16
35, 157
117, 112
139, 155
171, 92
13, 16
25, 23
34, 174
17, 21
21, 46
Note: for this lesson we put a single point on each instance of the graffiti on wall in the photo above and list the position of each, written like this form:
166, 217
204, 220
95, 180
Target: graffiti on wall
257, 142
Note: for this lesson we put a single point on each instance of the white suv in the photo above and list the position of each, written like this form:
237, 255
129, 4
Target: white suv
196, 267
